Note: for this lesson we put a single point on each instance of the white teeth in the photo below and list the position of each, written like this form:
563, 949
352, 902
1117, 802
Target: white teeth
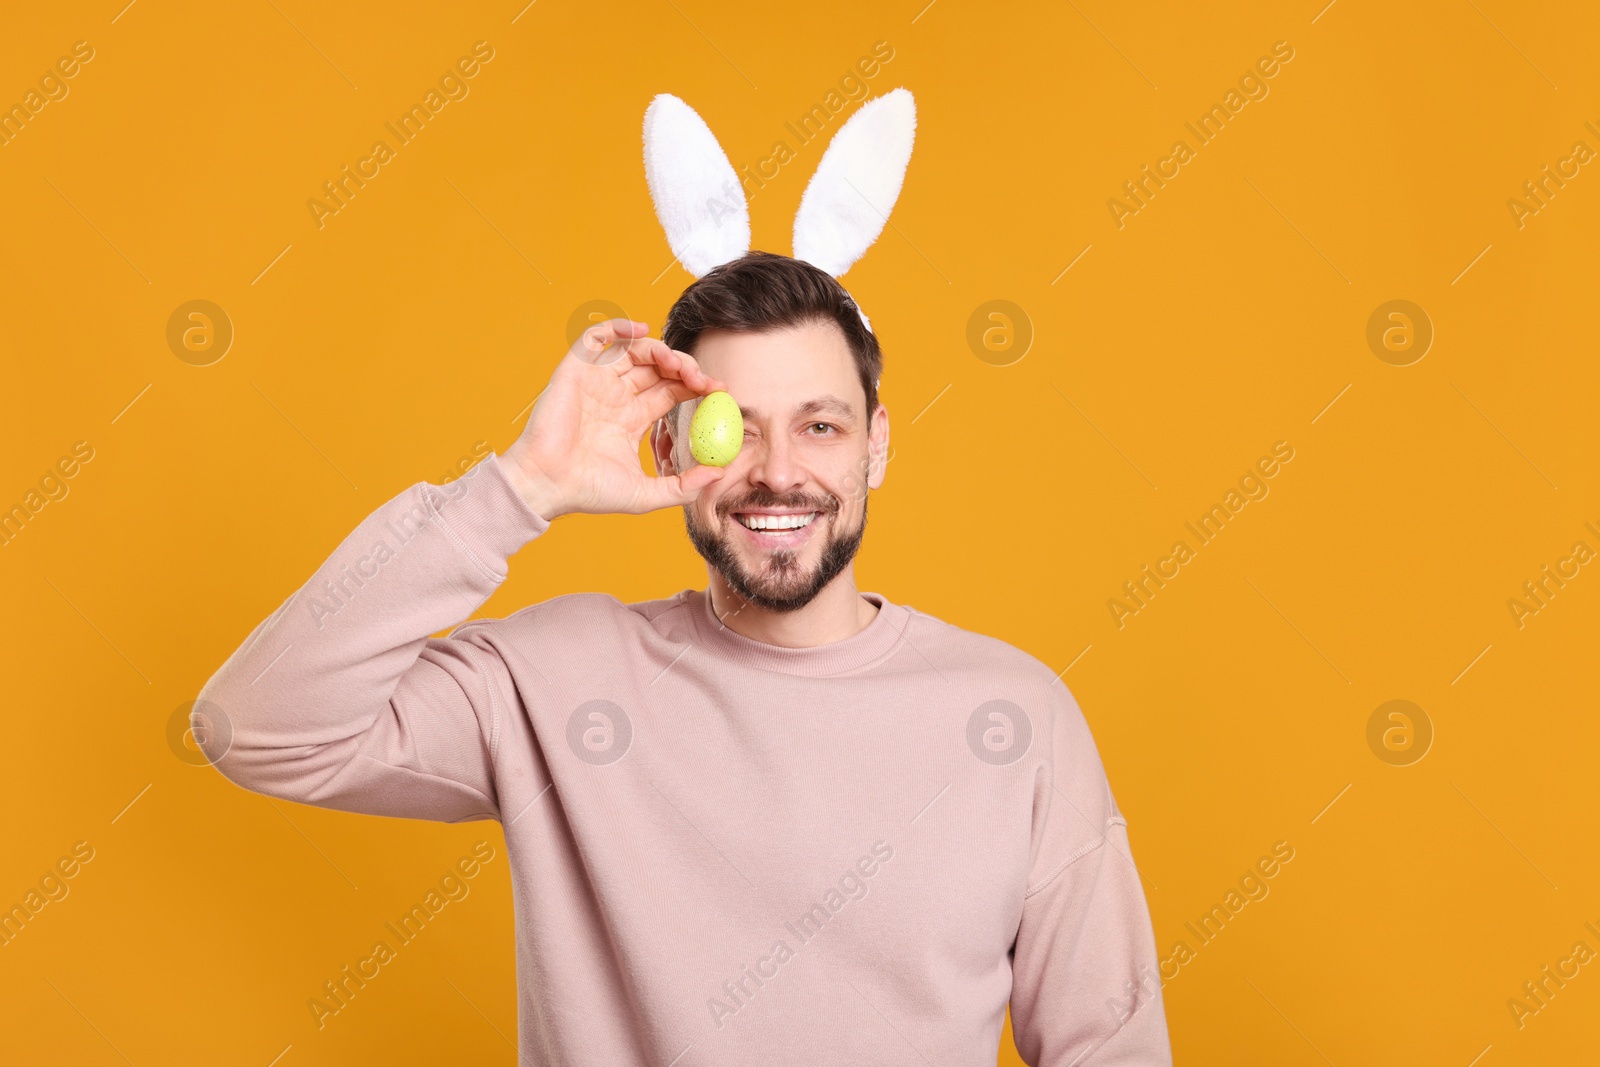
777, 522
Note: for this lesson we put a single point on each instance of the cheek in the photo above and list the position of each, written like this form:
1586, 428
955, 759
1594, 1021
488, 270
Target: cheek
848, 517
706, 507
851, 489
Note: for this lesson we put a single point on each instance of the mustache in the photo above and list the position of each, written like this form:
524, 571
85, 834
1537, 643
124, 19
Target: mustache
826, 507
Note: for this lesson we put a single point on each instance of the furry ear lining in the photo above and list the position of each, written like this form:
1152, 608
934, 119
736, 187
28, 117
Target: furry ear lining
848, 200
697, 195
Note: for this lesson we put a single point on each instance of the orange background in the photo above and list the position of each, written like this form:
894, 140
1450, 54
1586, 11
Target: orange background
1228, 314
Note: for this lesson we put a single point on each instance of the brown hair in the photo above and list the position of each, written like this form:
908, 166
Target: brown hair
762, 291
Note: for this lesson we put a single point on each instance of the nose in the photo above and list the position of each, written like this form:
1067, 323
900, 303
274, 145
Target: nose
775, 465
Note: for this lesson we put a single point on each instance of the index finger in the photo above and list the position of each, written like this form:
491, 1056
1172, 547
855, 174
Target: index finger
597, 338
668, 362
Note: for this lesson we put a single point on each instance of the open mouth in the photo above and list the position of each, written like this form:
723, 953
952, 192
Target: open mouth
782, 531
775, 523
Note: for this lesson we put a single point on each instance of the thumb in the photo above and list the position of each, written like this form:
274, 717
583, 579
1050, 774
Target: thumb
680, 489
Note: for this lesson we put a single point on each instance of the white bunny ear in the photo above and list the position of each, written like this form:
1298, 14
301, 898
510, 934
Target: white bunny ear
698, 197
849, 198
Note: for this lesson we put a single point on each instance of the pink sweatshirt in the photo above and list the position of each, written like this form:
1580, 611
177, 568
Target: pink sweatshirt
721, 851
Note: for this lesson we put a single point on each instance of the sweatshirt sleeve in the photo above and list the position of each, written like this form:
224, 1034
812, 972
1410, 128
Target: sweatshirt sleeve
341, 699
1086, 984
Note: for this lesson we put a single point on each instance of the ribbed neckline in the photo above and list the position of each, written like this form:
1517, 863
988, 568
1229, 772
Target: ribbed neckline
873, 641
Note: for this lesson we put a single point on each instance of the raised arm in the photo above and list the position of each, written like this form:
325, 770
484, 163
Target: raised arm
341, 699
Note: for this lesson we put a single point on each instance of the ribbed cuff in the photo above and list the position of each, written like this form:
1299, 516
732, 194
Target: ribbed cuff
486, 514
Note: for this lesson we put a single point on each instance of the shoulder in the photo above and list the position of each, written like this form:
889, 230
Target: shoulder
965, 649
583, 617
1005, 683
578, 614
1021, 716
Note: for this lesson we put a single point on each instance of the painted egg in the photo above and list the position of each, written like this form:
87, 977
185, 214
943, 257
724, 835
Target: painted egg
716, 432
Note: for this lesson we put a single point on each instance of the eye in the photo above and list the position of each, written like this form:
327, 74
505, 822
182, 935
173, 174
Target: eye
827, 425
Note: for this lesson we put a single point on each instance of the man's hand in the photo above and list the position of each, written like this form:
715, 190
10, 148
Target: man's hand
580, 448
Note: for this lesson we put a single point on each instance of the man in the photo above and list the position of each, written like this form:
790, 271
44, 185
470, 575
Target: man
774, 821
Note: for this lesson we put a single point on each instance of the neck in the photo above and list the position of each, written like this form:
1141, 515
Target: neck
838, 612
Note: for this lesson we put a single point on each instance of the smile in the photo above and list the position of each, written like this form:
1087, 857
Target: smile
776, 522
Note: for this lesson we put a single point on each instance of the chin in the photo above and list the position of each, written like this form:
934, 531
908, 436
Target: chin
800, 574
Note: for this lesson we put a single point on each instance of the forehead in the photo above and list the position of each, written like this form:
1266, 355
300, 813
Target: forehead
775, 372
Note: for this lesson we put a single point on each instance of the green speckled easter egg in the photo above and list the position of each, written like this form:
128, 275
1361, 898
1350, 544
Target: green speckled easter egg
716, 432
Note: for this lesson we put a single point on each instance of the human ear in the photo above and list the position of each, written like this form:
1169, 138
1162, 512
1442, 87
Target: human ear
878, 450
661, 447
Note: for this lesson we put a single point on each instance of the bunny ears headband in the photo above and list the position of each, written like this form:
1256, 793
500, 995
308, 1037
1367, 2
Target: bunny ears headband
702, 206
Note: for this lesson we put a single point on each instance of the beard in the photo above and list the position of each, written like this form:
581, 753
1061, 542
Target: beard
783, 584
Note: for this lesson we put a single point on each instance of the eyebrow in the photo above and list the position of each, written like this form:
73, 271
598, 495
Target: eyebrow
828, 404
